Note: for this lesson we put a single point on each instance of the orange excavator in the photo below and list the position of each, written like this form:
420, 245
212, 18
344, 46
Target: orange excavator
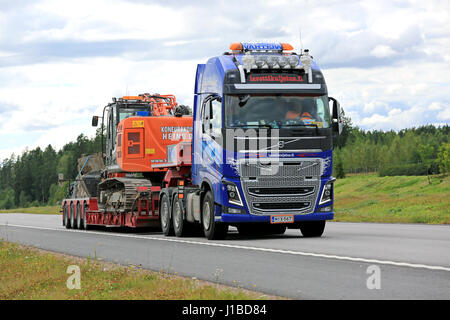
120, 186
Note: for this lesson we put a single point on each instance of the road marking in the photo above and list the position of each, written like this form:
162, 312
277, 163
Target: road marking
223, 245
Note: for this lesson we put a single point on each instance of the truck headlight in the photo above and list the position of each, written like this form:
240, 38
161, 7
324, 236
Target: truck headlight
233, 194
327, 193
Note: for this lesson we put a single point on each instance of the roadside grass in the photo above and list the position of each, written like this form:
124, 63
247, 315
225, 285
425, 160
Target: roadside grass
400, 199
38, 210
30, 273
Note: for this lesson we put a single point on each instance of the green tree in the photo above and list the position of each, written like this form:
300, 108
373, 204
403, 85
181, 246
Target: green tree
339, 168
7, 199
347, 128
443, 158
23, 200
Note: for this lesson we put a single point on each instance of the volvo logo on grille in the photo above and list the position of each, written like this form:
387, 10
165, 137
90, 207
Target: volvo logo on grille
280, 144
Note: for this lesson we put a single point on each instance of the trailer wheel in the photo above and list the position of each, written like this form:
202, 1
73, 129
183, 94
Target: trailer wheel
211, 228
73, 221
311, 229
85, 225
179, 225
164, 215
79, 220
66, 217
71, 217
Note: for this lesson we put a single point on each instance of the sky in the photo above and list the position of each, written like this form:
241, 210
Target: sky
61, 62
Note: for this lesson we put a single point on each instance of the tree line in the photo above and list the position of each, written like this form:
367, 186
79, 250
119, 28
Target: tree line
413, 151
31, 179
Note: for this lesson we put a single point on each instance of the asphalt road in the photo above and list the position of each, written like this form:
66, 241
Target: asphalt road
397, 261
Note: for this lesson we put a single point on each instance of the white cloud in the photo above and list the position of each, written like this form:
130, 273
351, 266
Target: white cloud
61, 62
435, 106
444, 114
396, 119
375, 106
382, 51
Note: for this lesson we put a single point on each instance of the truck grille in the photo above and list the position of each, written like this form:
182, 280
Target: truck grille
288, 187
280, 191
307, 168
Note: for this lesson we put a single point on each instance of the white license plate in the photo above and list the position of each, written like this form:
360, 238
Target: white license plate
282, 218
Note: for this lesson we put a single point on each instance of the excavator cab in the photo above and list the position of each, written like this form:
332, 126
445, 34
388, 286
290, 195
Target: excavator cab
138, 107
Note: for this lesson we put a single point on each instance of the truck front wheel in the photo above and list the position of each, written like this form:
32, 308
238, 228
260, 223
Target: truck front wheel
166, 224
311, 229
211, 228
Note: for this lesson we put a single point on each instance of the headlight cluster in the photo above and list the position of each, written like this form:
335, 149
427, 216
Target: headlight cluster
233, 195
327, 193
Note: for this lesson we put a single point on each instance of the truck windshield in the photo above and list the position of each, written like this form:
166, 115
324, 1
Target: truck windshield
133, 111
276, 111
129, 112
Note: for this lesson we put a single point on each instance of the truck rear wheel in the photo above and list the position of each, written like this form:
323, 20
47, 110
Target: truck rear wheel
211, 228
179, 225
165, 220
311, 229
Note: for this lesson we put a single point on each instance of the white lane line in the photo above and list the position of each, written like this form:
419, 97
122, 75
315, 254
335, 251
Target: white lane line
215, 244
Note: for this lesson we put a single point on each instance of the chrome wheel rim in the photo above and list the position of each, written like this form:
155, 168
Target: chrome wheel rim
177, 216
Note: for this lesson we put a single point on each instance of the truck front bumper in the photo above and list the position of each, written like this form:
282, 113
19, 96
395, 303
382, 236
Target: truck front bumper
238, 218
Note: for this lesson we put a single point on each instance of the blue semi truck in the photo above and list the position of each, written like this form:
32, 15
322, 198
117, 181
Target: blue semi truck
256, 154
263, 130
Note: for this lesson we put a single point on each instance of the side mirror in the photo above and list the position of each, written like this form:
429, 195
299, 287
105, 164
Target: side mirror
94, 121
336, 116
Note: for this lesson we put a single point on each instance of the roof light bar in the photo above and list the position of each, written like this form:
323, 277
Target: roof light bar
271, 61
